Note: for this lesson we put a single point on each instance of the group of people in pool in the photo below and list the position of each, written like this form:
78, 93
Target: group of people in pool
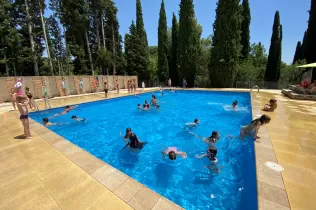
66, 110
153, 102
250, 130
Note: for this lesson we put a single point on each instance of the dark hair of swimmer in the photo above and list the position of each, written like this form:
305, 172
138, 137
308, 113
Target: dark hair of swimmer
138, 104
215, 134
74, 117
172, 155
67, 107
272, 101
158, 106
128, 130
196, 120
45, 119
263, 119
235, 103
146, 102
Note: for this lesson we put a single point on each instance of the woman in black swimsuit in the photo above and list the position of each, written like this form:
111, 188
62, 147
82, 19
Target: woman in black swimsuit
146, 105
132, 140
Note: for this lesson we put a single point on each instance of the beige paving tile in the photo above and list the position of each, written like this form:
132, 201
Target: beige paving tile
294, 159
273, 194
111, 202
145, 199
102, 173
63, 145
114, 180
164, 204
265, 204
270, 178
34, 148
83, 196
127, 189
80, 157
65, 181
301, 197
51, 137
309, 150
299, 175
36, 199
94, 165
286, 147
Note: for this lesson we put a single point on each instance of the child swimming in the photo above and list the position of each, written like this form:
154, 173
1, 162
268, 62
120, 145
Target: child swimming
209, 140
211, 156
253, 128
271, 106
66, 110
235, 103
47, 123
74, 117
146, 106
195, 123
173, 152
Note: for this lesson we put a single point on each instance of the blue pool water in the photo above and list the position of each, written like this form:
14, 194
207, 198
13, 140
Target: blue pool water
187, 182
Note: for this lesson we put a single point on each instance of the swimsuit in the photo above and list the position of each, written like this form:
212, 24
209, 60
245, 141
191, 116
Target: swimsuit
171, 149
134, 142
211, 154
146, 106
24, 117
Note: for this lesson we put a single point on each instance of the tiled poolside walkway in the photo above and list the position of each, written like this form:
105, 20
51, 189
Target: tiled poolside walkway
49, 172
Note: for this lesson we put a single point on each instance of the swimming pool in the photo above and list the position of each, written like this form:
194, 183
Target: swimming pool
186, 182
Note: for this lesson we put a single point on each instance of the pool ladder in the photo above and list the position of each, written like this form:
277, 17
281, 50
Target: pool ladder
256, 86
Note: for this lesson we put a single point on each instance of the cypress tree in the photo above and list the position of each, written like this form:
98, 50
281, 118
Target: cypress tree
226, 44
298, 52
272, 72
309, 51
245, 29
163, 71
188, 42
303, 45
173, 70
141, 33
310, 46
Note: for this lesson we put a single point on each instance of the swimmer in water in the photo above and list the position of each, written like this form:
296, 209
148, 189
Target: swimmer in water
209, 140
211, 156
235, 103
173, 152
47, 123
132, 140
74, 117
154, 101
146, 106
139, 106
66, 110
253, 128
195, 123
271, 106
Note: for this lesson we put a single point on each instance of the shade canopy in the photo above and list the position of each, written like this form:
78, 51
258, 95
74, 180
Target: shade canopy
311, 65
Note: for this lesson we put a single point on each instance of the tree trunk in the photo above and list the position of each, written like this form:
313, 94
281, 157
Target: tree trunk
46, 43
58, 67
34, 57
14, 69
103, 34
96, 22
113, 52
7, 69
89, 52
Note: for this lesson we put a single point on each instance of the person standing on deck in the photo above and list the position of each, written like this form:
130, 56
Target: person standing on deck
184, 83
169, 82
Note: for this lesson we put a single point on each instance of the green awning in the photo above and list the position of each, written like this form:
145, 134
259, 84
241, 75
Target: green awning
311, 65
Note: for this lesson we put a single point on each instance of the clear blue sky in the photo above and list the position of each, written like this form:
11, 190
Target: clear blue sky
294, 17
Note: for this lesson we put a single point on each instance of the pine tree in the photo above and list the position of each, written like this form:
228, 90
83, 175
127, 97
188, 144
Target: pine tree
188, 42
163, 71
141, 33
245, 29
226, 44
303, 45
173, 70
272, 72
298, 52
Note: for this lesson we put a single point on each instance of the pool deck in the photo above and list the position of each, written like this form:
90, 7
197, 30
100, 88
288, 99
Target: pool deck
49, 172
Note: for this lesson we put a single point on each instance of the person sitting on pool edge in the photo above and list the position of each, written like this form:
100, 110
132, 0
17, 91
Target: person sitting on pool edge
253, 128
74, 117
209, 140
173, 152
47, 123
235, 103
270, 107
132, 140
146, 106
195, 123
